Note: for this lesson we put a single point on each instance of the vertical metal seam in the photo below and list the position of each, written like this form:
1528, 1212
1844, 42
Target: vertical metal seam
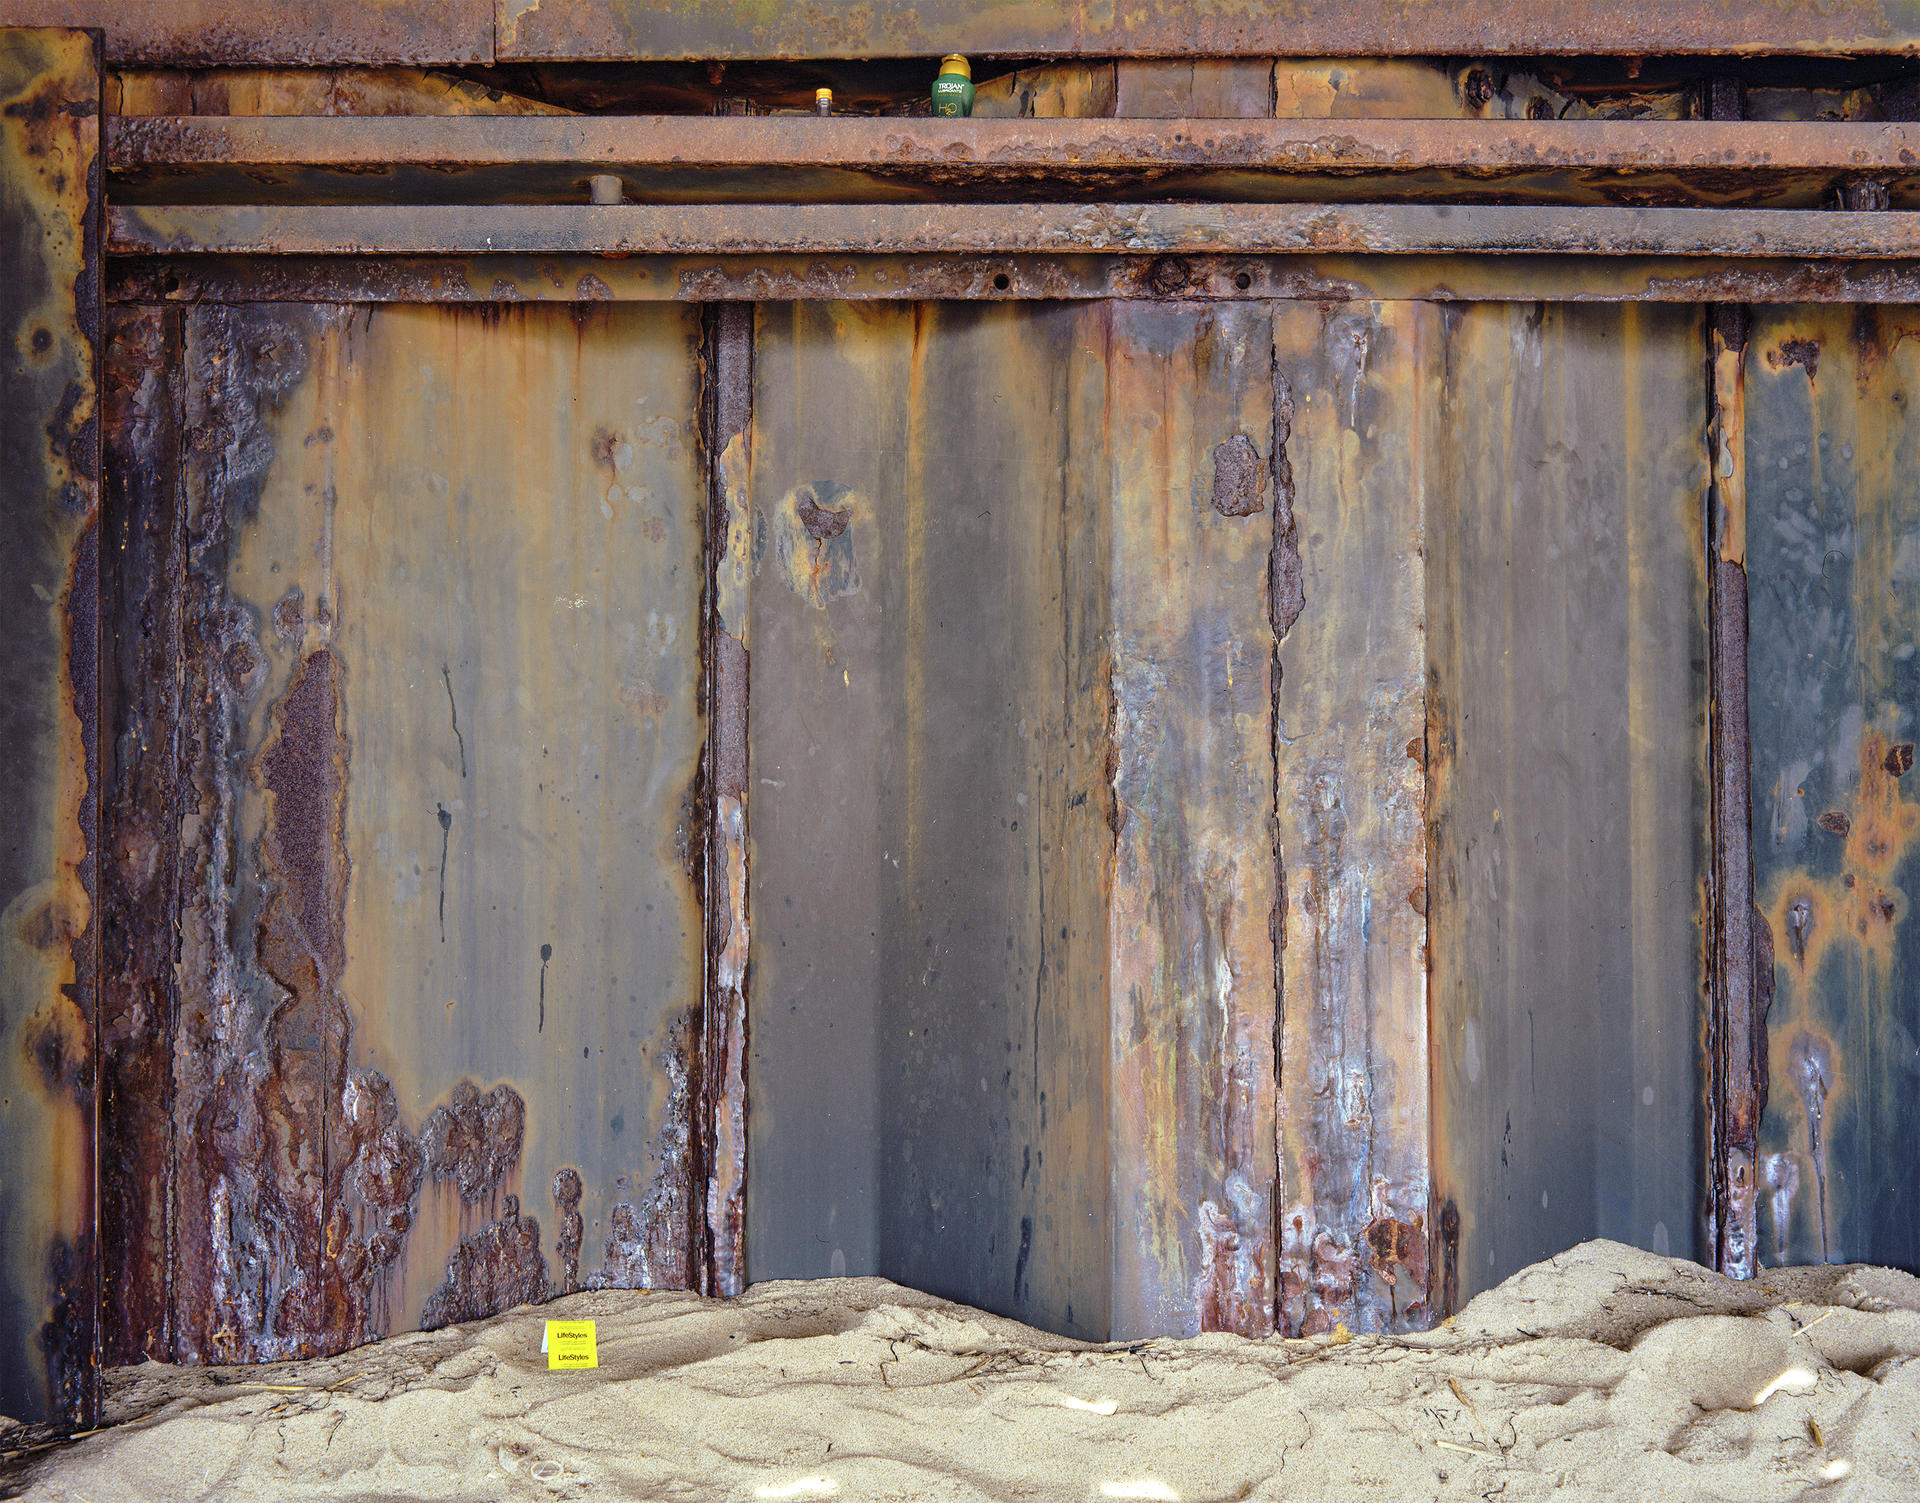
174, 345
92, 290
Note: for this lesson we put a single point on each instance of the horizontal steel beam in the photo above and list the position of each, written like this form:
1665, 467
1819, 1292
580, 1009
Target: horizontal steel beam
1311, 278
471, 159
263, 33
543, 29
601, 142
1007, 229
214, 33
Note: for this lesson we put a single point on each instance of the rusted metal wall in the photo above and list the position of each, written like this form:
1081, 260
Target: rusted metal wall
928, 728
1831, 453
430, 779
1566, 743
50, 935
1356, 391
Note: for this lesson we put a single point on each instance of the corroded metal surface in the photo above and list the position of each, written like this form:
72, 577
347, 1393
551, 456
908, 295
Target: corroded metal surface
440, 741
533, 29
301, 33
244, 156
1006, 229
1567, 751
50, 187
1832, 528
509, 279
141, 689
930, 837
1192, 909
1355, 387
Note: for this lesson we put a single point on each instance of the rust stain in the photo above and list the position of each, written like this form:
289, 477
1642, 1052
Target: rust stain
1239, 478
1447, 1232
494, 1269
1286, 585
1729, 348
474, 1140
571, 1229
1804, 353
814, 545
1398, 1247
1863, 904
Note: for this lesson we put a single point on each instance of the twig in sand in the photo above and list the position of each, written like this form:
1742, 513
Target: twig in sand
1801, 1331
1465, 1402
1454, 1445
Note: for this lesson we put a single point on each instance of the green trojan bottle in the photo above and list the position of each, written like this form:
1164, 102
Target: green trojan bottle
953, 89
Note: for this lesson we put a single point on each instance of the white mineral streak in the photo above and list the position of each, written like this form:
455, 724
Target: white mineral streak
1603, 1373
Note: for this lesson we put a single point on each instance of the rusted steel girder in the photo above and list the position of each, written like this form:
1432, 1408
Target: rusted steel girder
224, 32
1007, 229
508, 279
305, 33
50, 929
474, 159
536, 29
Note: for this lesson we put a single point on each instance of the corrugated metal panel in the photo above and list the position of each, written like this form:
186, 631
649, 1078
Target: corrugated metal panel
50, 183
928, 730
1013, 979
440, 975
1833, 553
1566, 591
1191, 423
1358, 386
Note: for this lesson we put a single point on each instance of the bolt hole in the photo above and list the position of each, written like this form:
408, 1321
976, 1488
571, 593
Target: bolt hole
1243, 280
172, 282
1002, 282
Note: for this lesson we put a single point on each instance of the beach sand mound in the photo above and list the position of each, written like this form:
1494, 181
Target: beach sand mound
1604, 1373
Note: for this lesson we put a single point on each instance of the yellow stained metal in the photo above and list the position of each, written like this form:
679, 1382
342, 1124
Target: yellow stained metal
49, 514
1566, 597
1363, 385
1833, 523
492, 521
1052, 91
310, 91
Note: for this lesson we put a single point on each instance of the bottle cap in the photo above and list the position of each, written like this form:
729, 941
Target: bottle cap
823, 96
953, 62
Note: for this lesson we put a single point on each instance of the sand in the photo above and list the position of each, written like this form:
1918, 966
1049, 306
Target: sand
1603, 1373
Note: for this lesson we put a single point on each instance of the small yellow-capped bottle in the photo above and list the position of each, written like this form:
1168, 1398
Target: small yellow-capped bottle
953, 89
